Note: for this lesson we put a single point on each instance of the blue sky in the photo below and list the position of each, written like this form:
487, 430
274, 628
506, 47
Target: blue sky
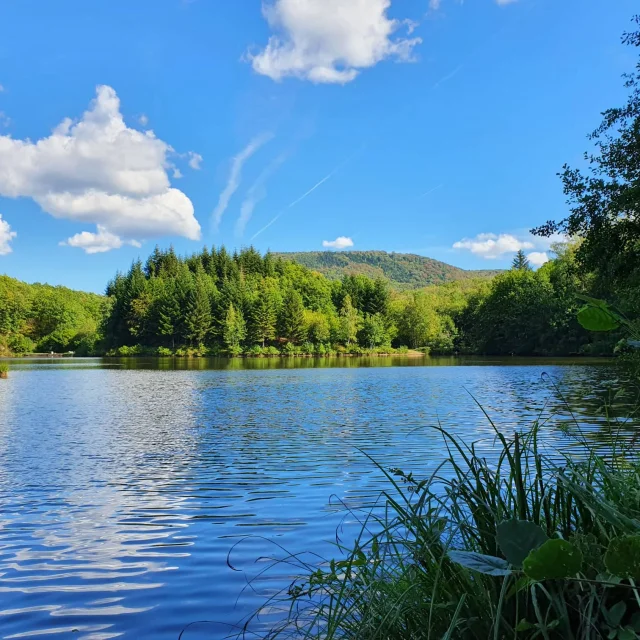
413, 126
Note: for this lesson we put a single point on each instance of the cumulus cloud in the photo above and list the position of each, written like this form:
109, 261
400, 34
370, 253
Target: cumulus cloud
99, 171
330, 41
341, 242
490, 245
6, 236
235, 175
538, 258
99, 242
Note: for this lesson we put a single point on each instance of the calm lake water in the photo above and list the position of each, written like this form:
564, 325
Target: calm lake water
124, 484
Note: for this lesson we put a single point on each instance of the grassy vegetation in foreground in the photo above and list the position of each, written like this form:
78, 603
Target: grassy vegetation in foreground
525, 547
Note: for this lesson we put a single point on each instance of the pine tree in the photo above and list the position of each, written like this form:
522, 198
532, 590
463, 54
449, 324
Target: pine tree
263, 317
235, 329
292, 324
168, 313
197, 317
520, 262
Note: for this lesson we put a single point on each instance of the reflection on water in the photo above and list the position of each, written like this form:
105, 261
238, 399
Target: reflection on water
124, 483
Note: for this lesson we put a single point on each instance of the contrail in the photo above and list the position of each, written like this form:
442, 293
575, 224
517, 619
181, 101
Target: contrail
426, 193
304, 195
236, 174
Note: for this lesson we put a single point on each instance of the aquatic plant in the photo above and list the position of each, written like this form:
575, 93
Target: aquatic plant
4, 370
534, 544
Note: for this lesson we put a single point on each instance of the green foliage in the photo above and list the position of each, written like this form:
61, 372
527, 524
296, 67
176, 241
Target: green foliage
401, 270
518, 538
235, 330
623, 557
604, 200
521, 262
36, 317
553, 560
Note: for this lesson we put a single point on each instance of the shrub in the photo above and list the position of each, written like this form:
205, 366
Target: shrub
164, 352
254, 351
20, 344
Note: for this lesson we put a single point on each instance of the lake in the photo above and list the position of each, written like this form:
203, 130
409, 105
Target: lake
125, 484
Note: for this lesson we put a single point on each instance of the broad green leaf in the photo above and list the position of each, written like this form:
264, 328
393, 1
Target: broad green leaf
518, 538
553, 560
623, 557
626, 634
597, 319
616, 613
489, 565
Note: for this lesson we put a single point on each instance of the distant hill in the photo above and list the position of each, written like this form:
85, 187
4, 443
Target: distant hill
403, 270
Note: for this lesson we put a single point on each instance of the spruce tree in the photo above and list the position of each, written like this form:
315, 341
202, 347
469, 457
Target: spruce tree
520, 262
263, 317
197, 317
292, 324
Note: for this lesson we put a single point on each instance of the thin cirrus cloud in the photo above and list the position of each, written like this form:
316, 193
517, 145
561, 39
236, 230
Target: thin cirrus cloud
341, 242
6, 236
330, 41
235, 176
256, 192
97, 170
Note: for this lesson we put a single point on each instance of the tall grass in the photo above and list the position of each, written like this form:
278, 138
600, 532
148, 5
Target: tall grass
404, 577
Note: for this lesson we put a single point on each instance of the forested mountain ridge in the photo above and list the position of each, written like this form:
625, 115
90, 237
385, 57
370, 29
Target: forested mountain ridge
402, 270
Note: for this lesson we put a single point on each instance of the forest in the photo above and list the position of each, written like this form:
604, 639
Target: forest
219, 303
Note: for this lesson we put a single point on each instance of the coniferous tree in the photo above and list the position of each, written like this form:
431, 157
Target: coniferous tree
292, 324
197, 313
520, 262
168, 313
263, 317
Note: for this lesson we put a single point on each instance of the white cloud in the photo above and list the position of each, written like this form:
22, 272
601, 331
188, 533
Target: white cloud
341, 242
330, 41
100, 242
177, 173
503, 3
538, 258
434, 5
6, 236
235, 175
490, 245
5, 120
1, 88
195, 160
99, 171
143, 120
